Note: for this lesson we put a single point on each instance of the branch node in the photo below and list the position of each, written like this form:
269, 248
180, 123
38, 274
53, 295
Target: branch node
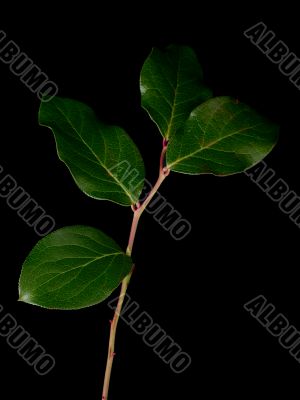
136, 206
166, 171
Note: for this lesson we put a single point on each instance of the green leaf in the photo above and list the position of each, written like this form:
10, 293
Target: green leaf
73, 267
221, 137
171, 87
93, 151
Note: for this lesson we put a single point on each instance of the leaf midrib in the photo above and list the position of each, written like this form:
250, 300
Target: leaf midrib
79, 266
174, 101
211, 144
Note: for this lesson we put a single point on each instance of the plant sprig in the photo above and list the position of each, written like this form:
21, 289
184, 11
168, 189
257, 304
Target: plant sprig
76, 267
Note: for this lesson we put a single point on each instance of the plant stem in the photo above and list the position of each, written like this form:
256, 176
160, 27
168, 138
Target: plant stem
138, 209
112, 337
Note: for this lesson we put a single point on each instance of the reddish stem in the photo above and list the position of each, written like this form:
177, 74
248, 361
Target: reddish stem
138, 209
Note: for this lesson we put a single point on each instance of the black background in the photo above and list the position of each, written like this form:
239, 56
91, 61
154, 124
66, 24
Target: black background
241, 244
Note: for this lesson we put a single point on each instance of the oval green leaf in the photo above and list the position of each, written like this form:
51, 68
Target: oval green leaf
72, 268
222, 136
95, 153
171, 87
